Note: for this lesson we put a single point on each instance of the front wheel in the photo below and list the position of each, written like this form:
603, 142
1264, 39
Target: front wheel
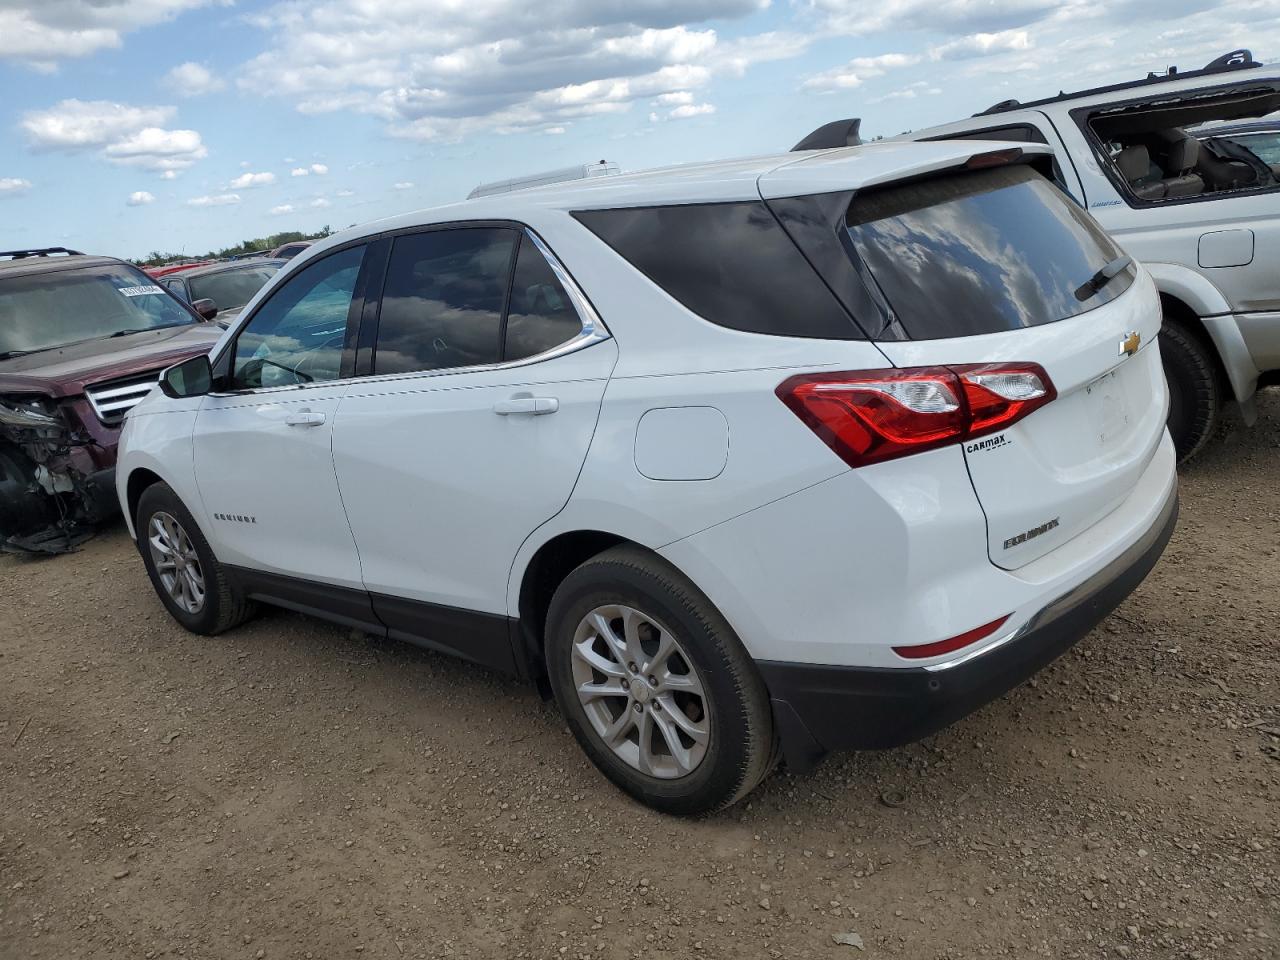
1195, 390
655, 685
188, 579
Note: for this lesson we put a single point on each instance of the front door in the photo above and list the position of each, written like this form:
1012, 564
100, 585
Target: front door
483, 395
263, 454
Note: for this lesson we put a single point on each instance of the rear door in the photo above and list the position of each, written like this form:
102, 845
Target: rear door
486, 370
982, 266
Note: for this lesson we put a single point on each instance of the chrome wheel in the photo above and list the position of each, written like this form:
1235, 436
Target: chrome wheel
176, 562
641, 692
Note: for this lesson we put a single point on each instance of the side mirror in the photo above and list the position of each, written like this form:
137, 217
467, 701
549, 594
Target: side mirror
190, 378
206, 308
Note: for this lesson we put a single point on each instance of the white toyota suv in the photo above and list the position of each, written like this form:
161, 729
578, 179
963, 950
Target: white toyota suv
748, 460
1195, 197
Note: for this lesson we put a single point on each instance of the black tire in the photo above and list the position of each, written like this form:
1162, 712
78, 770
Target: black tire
740, 749
1195, 389
224, 607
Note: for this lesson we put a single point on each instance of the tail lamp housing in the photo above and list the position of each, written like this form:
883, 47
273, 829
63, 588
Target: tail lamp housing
869, 416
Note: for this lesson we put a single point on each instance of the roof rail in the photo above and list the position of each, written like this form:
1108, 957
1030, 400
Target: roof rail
38, 252
837, 133
1235, 60
582, 171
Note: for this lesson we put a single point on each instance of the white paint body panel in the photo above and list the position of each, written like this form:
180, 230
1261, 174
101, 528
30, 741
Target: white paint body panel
415, 488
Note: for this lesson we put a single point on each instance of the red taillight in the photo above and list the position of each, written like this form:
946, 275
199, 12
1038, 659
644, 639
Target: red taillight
867, 416
937, 649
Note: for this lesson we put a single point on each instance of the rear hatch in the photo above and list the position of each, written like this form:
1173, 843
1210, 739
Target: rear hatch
988, 265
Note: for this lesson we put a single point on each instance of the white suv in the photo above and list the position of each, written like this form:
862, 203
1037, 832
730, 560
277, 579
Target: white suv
753, 459
1195, 198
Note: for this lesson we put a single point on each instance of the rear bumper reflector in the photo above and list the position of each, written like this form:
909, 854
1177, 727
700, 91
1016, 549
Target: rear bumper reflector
958, 642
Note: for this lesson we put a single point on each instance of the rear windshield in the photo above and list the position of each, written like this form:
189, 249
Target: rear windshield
232, 289
43, 310
981, 252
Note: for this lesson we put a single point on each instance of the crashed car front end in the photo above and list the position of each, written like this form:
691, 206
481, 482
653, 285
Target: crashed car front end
57, 466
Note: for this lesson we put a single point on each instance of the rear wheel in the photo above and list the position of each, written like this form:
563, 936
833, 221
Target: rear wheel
188, 579
655, 685
1195, 390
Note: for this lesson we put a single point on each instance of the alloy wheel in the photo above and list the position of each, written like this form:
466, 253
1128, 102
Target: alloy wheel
176, 562
641, 692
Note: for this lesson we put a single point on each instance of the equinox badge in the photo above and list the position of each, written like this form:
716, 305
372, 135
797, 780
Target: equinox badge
1129, 345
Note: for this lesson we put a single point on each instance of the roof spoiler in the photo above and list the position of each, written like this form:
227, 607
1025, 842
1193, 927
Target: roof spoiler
38, 252
837, 133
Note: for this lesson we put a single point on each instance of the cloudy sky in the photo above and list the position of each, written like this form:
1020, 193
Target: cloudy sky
132, 125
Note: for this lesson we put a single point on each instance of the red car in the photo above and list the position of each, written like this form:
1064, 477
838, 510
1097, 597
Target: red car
170, 268
82, 340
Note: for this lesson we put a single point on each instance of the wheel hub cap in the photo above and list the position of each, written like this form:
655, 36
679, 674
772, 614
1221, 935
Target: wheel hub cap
640, 691
176, 563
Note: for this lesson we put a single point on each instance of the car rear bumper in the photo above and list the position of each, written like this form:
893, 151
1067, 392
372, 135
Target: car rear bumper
818, 709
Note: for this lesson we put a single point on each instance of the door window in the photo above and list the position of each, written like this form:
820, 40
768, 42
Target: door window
298, 334
443, 300
541, 315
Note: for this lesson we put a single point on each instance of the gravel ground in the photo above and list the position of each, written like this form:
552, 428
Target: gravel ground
289, 790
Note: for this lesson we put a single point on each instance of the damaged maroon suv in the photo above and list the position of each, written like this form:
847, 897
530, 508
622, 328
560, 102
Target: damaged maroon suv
82, 340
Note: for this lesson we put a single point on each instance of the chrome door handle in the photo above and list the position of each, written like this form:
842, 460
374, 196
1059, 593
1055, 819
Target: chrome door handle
304, 418
531, 406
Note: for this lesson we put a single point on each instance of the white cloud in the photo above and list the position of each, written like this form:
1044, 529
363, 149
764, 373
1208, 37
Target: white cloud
404, 185
319, 169
857, 71
124, 133
935, 16
692, 110
42, 34
140, 198
193, 80
157, 149
215, 200
498, 65
320, 203
282, 209
345, 193
168, 175
13, 185
300, 172
674, 99
79, 124
251, 180
981, 45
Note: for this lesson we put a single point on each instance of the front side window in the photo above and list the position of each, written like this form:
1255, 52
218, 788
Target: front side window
40, 311
443, 300
297, 335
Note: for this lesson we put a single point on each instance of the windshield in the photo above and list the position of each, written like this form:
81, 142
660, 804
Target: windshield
982, 252
232, 289
44, 310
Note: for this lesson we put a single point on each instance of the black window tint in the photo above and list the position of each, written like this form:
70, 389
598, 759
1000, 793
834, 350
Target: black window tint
730, 263
297, 335
541, 315
443, 299
981, 252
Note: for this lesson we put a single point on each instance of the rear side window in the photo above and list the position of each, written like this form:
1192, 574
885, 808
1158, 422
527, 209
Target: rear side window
443, 300
730, 263
980, 252
541, 315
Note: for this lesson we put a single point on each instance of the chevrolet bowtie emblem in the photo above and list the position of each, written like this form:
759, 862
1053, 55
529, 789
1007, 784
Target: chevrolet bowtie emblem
1129, 345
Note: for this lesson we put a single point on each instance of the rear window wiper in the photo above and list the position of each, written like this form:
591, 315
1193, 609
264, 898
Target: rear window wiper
12, 354
1104, 276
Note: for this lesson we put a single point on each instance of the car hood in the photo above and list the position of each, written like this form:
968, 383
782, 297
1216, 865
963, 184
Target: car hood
66, 371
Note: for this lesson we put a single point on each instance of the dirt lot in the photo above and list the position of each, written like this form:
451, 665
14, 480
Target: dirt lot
289, 790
